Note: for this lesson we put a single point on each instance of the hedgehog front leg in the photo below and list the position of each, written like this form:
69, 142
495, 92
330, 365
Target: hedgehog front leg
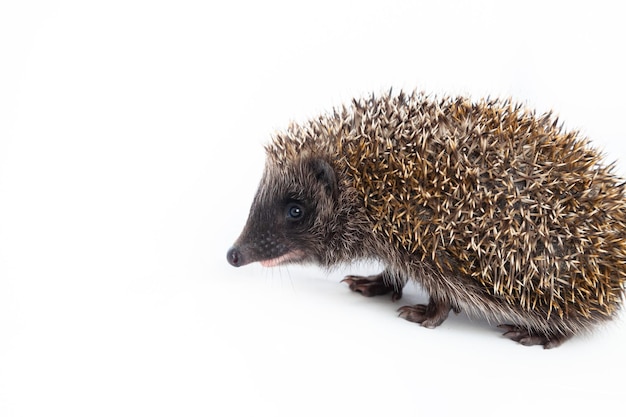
429, 316
373, 285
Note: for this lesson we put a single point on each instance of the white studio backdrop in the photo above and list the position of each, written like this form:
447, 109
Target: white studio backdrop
131, 138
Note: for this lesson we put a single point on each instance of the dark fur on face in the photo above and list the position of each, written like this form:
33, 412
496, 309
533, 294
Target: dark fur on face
292, 218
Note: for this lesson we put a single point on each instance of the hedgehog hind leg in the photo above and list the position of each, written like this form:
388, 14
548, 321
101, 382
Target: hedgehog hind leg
528, 337
373, 285
429, 316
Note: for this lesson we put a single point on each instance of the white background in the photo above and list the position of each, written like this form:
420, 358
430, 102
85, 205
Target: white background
131, 141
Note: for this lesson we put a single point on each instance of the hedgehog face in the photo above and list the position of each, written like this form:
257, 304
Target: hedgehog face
289, 215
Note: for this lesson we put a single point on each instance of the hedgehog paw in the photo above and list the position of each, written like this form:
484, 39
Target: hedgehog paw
527, 337
373, 285
429, 316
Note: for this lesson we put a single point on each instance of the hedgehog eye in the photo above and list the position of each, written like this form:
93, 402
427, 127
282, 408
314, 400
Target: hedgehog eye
294, 211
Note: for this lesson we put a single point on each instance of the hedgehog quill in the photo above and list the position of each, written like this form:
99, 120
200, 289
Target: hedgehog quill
492, 209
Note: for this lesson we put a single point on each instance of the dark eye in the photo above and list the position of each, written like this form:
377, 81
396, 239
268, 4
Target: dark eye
294, 211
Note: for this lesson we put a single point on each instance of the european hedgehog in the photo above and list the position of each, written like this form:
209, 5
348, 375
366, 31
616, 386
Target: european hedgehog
492, 209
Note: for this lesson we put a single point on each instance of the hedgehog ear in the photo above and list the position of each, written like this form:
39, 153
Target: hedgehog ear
325, 174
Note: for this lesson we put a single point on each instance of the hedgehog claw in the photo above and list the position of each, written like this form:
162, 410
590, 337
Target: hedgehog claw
526, 337
372, 286
429, 316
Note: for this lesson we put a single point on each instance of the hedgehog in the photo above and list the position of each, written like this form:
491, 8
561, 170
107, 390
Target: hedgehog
493, 209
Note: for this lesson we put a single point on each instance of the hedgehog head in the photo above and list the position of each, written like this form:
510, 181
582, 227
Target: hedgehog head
292, 215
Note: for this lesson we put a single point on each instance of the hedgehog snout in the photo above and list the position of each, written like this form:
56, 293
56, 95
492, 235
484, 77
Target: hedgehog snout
234, 257
265, 247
